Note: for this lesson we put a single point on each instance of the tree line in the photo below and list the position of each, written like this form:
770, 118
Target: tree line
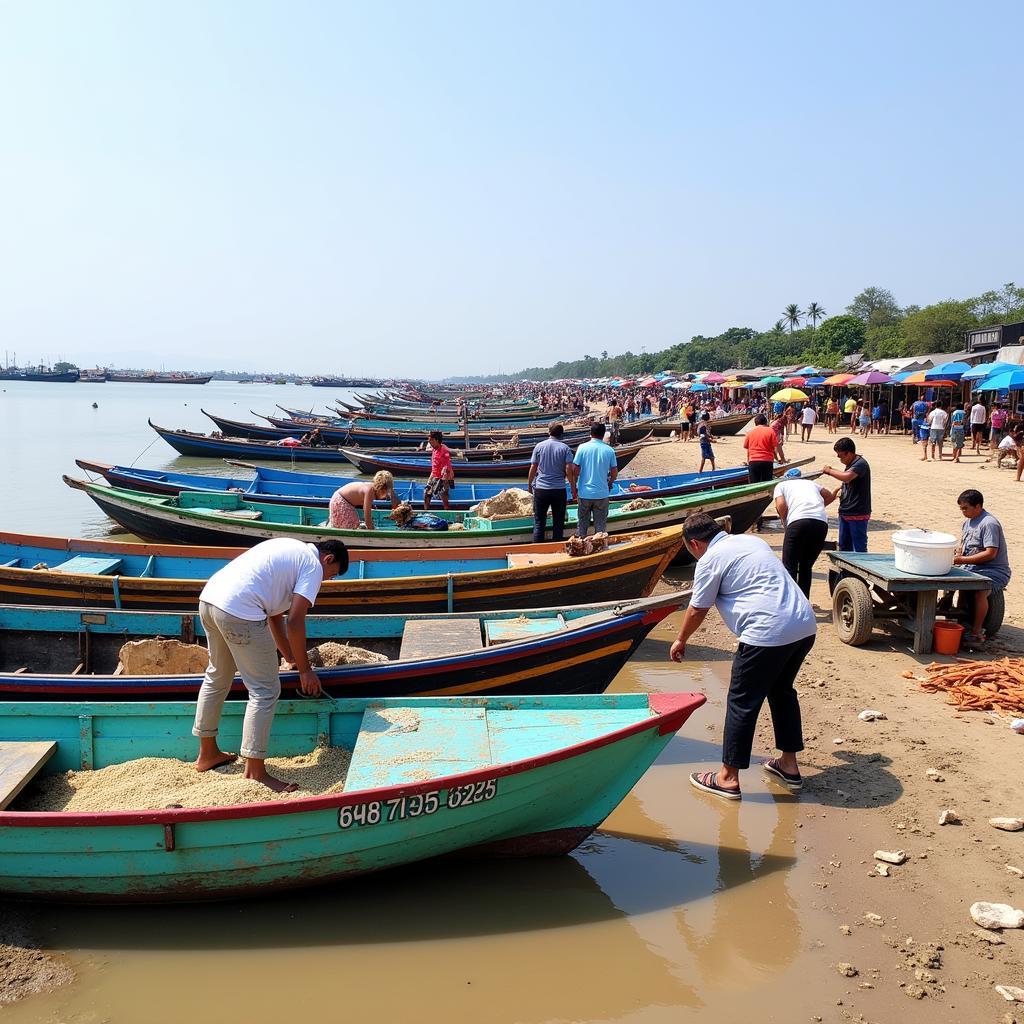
874, 323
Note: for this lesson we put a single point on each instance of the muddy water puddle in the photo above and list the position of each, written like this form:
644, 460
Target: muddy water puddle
680, 908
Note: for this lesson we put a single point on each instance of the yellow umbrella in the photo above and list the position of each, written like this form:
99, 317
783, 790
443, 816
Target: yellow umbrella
789, 395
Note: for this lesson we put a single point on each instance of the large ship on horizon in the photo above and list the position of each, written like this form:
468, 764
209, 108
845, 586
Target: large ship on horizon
152, 377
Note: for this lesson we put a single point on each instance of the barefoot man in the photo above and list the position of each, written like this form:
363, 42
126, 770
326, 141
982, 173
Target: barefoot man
243, 608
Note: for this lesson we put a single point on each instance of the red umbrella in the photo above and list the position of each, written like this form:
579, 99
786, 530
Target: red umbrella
715, 378
794, 382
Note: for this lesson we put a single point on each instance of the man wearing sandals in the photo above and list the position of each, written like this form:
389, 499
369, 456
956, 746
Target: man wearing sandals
763, 606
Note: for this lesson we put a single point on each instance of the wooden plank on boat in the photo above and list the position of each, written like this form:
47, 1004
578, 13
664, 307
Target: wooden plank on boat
503, 631
522, 559
85, 565
438, 638
400, 745
19, 763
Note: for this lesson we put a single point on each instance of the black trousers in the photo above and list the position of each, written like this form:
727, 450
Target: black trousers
545, 498
759, 472
759, 674
800, 548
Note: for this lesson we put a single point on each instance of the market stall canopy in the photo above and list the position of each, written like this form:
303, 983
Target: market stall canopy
789, 395
680, 385
1009, 380
771, 380
984, 370
920, 379
947, 371
715, 378
838, 379
872, 377
700, 386
814, 382
794, 382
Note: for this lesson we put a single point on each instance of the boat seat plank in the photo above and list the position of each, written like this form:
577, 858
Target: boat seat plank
503, 631
522, 559
402, 745
19, 763
87, 565
439, 638
531, 733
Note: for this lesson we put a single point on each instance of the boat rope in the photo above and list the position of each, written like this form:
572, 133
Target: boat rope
144, 450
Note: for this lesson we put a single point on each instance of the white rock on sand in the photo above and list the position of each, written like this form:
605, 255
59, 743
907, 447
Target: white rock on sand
1011, 993
996, 915
871, 715
1007, 824
891, 856
949, 817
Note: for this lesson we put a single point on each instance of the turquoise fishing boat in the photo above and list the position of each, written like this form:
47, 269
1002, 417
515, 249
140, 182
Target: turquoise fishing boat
487, 776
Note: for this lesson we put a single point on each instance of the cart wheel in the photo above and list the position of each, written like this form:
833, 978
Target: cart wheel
996, 610
853, 613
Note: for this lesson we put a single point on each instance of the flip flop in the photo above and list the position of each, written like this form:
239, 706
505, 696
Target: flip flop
794, 782
708, 782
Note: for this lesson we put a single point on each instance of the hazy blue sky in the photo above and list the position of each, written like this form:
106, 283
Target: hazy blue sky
432, 188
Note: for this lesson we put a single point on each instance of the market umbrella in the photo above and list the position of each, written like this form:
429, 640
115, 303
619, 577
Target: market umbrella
869, 379
838, 379
771, 380
789, 395
715, 378
947, 371
901, 378
814, 382
794, 382
1008, 380
699, 387
680, 385
984, 370
648, 382
921, 380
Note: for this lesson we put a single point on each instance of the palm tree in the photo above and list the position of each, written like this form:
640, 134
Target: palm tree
814, 314
792, 316
778, 327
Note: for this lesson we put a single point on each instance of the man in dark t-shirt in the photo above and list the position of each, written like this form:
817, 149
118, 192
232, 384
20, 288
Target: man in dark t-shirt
854, 495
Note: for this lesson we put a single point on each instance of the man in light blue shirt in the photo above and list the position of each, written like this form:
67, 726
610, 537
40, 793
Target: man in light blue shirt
551, 469
596, 469
760, 602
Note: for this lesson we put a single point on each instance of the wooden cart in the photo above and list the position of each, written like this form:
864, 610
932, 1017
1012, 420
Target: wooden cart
869, 589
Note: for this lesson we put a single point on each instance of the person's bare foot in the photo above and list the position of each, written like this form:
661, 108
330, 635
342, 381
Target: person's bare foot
205, 762
271, 781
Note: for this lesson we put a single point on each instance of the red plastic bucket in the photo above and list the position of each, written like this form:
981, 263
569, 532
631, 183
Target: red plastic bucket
946, 637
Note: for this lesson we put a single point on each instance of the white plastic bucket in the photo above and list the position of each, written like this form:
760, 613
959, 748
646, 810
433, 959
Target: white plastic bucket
924, 552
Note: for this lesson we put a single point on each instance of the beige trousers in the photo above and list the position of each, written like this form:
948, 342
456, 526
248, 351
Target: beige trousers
249, 648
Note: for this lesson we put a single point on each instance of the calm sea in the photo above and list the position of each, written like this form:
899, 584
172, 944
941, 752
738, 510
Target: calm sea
45, 427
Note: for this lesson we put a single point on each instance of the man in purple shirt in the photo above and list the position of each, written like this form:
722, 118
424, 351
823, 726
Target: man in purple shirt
551, 468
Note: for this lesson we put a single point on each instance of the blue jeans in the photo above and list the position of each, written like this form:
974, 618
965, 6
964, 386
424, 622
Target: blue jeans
853, 534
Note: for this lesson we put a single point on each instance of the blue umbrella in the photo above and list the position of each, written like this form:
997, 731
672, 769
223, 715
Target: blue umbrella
699, 387
813, 382
1008, 380
984, 370
947, 371
901, 377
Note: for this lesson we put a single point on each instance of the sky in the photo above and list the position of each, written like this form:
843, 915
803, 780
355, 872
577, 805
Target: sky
425, 189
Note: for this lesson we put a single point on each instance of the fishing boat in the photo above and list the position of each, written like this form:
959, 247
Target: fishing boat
501, 465
343, 382
486, 462
108, 574
286, 487
199, 517
73, 653
724, 426
152, 377
40, 375
428, 777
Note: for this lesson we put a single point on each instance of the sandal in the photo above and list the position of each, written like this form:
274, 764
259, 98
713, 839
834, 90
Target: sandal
794, 782
708, 782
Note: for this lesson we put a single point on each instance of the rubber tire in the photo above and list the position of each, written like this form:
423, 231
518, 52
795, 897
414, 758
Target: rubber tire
996, 611
853, 612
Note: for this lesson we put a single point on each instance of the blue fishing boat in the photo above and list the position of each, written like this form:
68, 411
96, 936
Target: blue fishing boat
285, 487
75, 653
427, 777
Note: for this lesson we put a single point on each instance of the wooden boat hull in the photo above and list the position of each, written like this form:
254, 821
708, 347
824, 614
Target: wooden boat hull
552, 770
170, 578
73, 652
726, 426
285, 487
197, 518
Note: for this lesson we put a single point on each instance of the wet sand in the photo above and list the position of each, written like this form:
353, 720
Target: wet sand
681, 907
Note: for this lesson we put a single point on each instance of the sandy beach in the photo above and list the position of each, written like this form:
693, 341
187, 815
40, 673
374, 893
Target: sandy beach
869, 783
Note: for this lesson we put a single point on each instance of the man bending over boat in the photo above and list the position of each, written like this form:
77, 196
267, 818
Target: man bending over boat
760, 602
242, 609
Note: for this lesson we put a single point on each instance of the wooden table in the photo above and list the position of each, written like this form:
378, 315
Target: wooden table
870, 588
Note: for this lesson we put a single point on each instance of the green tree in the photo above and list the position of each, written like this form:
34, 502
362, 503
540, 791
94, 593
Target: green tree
939, 327
875, 306
814, 314
885, 342
792, 316
843, 333
823, 356
63, 367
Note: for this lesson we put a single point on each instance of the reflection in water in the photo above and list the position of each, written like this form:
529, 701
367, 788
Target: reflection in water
678, 908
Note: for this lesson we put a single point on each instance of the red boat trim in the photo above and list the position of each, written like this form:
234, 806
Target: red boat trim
668, 712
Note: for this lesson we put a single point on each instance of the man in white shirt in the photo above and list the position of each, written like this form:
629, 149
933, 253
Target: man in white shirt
759, 602
801, 507
808, 417
979, 414
936, 420
242, 609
